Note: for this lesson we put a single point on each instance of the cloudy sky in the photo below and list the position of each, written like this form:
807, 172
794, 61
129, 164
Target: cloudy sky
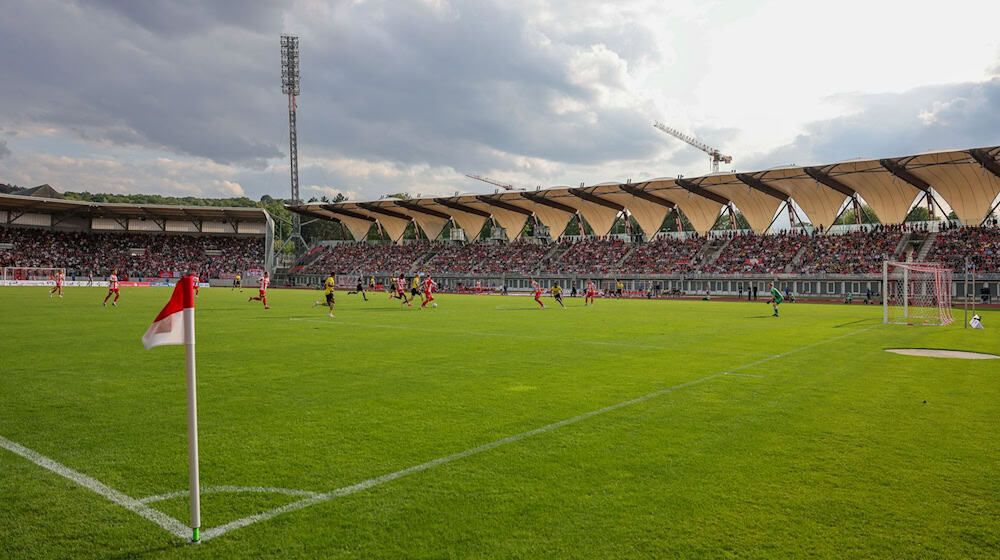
183, 97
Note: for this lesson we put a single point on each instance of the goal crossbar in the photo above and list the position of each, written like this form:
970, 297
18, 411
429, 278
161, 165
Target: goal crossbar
916, 293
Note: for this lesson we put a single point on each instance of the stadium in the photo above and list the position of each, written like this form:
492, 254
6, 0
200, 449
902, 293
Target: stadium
785, 362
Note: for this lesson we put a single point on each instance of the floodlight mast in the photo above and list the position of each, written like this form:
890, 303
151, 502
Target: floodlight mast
290, 87
714, 155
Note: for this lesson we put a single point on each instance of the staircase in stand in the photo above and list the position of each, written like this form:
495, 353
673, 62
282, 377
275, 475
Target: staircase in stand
797, 259
710, 252
925, 249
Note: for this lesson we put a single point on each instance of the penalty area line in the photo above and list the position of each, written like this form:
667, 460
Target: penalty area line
167, 523
371, 482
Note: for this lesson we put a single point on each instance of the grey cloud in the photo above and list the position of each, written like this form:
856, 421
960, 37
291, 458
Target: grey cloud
405, 85
179, 18
927, 118
108, 81
4, 150
381, 80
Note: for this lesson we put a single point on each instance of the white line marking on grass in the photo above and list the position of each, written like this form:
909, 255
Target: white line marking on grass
169, 524
235, 489
178, 529
743, 374
515, 335
366, 484
806, 347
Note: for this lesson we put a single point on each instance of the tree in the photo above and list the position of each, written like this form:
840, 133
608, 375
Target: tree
867, 216
918, 214
670, 222
723, 223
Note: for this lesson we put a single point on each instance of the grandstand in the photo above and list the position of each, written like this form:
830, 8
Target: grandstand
142, 242
810, 260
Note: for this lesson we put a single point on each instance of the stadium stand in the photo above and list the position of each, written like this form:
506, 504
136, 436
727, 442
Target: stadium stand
757, 254
599, 256
851, 253
132, 254
667, 255
980, 244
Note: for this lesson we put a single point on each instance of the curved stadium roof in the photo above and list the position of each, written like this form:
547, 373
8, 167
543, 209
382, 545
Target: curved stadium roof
968, 180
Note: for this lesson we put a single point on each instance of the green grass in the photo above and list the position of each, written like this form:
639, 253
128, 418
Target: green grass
831, 452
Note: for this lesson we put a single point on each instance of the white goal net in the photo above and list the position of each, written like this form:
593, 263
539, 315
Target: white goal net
916, 293
31, 274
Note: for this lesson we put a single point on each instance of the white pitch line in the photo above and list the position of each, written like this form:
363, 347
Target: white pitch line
806, 347
366, 484
169, 524
514, 335
743, 374
238, 489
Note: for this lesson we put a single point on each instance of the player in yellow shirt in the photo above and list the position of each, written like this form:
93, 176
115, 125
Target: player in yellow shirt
415, 288
237, 282
556, 290
328, 291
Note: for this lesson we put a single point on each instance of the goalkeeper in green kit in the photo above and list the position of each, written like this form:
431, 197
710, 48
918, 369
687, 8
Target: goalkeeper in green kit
775, 299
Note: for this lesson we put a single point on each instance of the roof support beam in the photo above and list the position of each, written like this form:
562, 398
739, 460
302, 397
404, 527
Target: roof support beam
693, 187
758, 185
504, 205
192, 218
580, 193
60, 218
162, 224
384, 211
315, 215
417, 208
462, 207
986, 160
648, 197
539, 199
893, 166
345, 212
824, 179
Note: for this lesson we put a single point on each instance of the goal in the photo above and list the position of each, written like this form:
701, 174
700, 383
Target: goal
30, 274
916, 293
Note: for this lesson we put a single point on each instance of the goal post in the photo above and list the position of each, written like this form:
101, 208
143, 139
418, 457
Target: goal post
916, 293
31, 274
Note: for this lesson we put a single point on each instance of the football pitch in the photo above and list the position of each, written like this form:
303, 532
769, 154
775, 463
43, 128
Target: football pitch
489, 428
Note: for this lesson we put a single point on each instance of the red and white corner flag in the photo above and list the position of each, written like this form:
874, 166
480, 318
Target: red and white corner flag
175, 325
169, 327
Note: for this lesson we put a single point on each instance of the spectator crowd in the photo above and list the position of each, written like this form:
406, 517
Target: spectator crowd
856, 252
134, 255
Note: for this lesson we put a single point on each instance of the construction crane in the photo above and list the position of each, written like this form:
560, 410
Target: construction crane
714, 156
504, 186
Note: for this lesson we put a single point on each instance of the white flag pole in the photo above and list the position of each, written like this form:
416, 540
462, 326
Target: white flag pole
192, 409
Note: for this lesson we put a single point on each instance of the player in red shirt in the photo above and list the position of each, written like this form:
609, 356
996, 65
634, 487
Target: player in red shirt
264, 281
112, 289
591, 292
429, 287
538, 292
195, 280
401, 290
59, 280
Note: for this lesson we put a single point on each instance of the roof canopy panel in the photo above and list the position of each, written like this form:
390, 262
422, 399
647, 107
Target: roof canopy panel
966, 184
889, 196
511, 221
757, 207
968, 180
818, 201
700, 211
648, 214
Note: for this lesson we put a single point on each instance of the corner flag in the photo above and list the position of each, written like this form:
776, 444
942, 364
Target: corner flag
175, 325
